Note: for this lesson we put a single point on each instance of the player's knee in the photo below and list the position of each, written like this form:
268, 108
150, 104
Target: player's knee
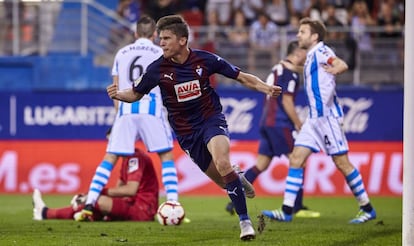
296, 161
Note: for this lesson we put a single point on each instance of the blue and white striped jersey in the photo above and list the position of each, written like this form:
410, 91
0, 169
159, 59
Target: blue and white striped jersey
319, 84
130, 63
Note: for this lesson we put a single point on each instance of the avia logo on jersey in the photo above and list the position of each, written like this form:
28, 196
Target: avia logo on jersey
188, 91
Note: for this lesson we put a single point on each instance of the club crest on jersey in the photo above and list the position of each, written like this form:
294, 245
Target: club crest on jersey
188, 90
199, 71
133, 165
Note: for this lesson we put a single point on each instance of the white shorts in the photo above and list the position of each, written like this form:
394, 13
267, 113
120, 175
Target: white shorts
127, 129
323, 133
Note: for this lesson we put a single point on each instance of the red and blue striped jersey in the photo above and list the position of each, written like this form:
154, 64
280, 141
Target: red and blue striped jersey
186, 90
274, 114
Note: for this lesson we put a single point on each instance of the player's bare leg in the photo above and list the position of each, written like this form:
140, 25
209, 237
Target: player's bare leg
219, 147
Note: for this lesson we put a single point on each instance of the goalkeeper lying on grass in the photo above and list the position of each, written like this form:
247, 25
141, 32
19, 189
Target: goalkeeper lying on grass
135, 197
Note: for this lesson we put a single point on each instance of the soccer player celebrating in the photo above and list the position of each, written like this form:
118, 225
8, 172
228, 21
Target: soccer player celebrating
144, 120
322, 129
135, 197
279, 120
194, 109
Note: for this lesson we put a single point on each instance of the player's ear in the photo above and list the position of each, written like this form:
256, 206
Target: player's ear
183, 41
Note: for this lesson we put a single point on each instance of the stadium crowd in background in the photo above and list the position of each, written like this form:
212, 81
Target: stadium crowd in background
361, 21
354, 26
279, 12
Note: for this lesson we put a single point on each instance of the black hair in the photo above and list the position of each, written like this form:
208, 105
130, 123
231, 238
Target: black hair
145, 27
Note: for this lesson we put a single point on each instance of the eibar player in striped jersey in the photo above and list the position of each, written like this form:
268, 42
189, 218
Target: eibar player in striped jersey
194, 108
322, 130
144, 120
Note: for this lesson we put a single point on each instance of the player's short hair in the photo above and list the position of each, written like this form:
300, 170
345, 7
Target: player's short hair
145, 27
174, 23
292, 46
316, 26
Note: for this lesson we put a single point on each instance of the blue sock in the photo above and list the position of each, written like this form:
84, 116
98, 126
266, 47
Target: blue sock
170, 180
99, 180
235, 192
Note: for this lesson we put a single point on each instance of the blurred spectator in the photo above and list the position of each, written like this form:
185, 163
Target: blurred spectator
398, 9
250, 9
192, 11
390, 21
333, 24
293, 27
130, 11
223, 9
391, 34
341, 9
278, 11
214, 32
371, 5
27, 29
212, 38
300, 7
360, 21
238, 41
336, 32
238, 33
192, 5
159, 8
318, 10
263, 40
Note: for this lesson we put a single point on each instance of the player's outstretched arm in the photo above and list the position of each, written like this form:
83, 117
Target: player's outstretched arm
253, 82
128, 95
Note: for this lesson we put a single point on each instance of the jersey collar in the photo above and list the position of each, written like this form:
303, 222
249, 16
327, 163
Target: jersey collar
143, 41
317, 46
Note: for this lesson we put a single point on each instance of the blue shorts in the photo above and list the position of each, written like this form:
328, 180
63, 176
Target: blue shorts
195, 144
275, 141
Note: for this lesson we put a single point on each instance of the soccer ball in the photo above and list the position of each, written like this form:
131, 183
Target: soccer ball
170, 213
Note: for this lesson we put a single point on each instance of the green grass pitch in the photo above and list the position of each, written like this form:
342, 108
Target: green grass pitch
210, 225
